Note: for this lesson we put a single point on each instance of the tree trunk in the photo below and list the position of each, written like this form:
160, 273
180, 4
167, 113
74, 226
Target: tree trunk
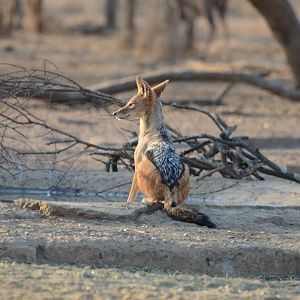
111, 14
286, 28
170, 31
130, 22
130, 14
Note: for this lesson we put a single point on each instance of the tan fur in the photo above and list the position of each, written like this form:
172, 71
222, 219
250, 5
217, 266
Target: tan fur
147, 178
134, 189
149, 182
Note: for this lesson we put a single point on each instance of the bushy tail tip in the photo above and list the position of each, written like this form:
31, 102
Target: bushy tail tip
190, 215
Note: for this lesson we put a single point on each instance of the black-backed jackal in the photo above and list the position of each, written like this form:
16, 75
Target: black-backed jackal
159, 171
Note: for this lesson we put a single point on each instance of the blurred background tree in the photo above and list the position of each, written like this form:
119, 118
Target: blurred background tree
171, 30
285, 26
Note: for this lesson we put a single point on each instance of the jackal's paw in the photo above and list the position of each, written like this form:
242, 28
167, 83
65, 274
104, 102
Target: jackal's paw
126, 205
150, 201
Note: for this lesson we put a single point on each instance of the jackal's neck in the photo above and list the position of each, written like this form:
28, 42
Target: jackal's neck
152, 121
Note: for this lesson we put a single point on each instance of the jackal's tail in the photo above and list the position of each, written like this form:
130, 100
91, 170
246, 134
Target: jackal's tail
187, 214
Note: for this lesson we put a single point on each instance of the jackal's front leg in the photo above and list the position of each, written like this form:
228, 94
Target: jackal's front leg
133, 190
170, 198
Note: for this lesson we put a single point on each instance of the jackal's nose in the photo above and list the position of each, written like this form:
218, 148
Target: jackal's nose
115, 113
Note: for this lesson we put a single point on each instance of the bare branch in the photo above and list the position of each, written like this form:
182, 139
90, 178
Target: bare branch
231, 156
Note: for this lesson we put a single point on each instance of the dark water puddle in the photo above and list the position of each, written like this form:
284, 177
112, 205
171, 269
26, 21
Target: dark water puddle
9, 194
62, 194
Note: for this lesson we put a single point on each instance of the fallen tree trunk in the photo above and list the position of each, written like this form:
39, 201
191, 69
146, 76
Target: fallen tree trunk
35, 85
256, 80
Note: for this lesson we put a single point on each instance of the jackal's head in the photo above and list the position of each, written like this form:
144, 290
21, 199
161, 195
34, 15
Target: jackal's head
143, 102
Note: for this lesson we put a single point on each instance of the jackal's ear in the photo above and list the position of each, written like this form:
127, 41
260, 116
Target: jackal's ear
158, 89
143, 87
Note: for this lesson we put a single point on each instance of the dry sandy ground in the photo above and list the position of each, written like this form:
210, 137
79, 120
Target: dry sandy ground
249, 241
69, 282
261, 243
155, 256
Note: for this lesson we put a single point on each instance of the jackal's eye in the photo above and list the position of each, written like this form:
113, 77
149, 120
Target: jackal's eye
131, 105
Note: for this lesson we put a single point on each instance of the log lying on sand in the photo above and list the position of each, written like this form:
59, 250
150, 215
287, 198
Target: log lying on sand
40, 84
253, 79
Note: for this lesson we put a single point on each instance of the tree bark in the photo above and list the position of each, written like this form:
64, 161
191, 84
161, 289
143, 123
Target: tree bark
286, 28
130, 26
130, 16
111, 14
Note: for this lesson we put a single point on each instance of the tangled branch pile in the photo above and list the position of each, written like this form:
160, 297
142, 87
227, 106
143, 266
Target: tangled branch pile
231, 156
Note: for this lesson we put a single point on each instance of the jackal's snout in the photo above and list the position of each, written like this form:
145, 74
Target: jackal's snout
118, 115
122, 113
